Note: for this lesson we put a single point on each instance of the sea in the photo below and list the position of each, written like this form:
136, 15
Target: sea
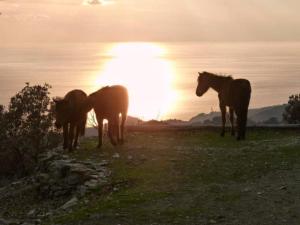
161, 77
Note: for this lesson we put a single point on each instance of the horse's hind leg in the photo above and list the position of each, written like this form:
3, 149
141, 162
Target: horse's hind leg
117, 129
238, 120
122, 127
231, 116
100, 131
241, 123
111, 131
223, 111
244, 124
77, 130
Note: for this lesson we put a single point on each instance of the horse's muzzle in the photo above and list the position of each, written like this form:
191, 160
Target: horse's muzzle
199, 94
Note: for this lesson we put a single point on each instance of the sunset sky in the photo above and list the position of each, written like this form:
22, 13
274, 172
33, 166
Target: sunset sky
154, 48
149, 20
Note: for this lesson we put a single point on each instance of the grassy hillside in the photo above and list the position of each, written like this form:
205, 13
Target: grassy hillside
193, 177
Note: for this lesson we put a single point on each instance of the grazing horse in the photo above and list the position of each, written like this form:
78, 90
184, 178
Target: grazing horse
109, 103
71, 116
234, 93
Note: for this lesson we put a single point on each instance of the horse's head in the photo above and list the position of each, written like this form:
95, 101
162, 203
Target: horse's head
62, 112
203, 84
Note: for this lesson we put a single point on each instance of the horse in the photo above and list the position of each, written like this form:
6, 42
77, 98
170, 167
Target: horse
234, 93
71, 116
109, 103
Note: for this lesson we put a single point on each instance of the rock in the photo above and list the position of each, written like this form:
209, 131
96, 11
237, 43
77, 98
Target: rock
284, 187
71, 203
116, 155
91, 184
59, 175
9, 222
31, 213
59, 168
103, 163
212, 221
42, 178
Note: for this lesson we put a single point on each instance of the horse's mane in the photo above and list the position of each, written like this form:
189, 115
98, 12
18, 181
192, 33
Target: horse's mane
223, 76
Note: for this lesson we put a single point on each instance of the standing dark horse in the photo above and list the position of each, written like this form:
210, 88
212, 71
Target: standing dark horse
71, 116
109, 103
234, 93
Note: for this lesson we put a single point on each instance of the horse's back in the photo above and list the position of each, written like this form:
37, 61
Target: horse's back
110, 101
76, 99
76, 96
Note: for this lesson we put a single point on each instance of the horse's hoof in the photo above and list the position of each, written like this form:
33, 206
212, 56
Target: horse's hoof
99, 146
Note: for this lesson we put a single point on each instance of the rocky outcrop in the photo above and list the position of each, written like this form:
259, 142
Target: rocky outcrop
58, 178
58, 175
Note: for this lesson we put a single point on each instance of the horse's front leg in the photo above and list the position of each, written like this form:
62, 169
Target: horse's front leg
231, 116
77, 127
66, 136
71, 136
223, 111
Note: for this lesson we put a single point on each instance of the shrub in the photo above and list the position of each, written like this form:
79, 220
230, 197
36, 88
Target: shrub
26, 129
292, 110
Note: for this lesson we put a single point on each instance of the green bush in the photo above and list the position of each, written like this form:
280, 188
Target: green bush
292, 110
26, 129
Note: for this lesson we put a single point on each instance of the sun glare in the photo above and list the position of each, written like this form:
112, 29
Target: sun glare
142, 68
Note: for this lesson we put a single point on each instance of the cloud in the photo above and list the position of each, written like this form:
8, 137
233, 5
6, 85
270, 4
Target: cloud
97, 2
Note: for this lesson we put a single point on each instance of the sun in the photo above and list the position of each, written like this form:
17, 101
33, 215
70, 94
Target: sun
148, 76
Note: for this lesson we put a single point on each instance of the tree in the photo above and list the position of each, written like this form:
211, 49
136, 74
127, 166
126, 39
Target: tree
292, 110
26, 128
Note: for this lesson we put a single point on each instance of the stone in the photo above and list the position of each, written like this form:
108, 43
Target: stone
9, 222
31, 213
91, 184
82, 190
69, 204
116, 155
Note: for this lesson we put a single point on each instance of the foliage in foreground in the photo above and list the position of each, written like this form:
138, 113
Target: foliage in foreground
26, 129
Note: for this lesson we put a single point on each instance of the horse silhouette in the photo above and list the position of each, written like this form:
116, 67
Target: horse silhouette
109, 103
71, 116
234, 93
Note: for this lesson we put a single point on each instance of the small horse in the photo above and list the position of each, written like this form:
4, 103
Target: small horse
109, 103
71, 116
234, 93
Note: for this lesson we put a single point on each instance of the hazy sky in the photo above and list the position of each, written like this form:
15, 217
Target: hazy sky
149, 20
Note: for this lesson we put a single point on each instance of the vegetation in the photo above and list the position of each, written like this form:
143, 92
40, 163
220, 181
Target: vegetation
292, 110
26, 129
185, 177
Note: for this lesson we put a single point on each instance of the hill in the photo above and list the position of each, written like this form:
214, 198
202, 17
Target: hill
256, 115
